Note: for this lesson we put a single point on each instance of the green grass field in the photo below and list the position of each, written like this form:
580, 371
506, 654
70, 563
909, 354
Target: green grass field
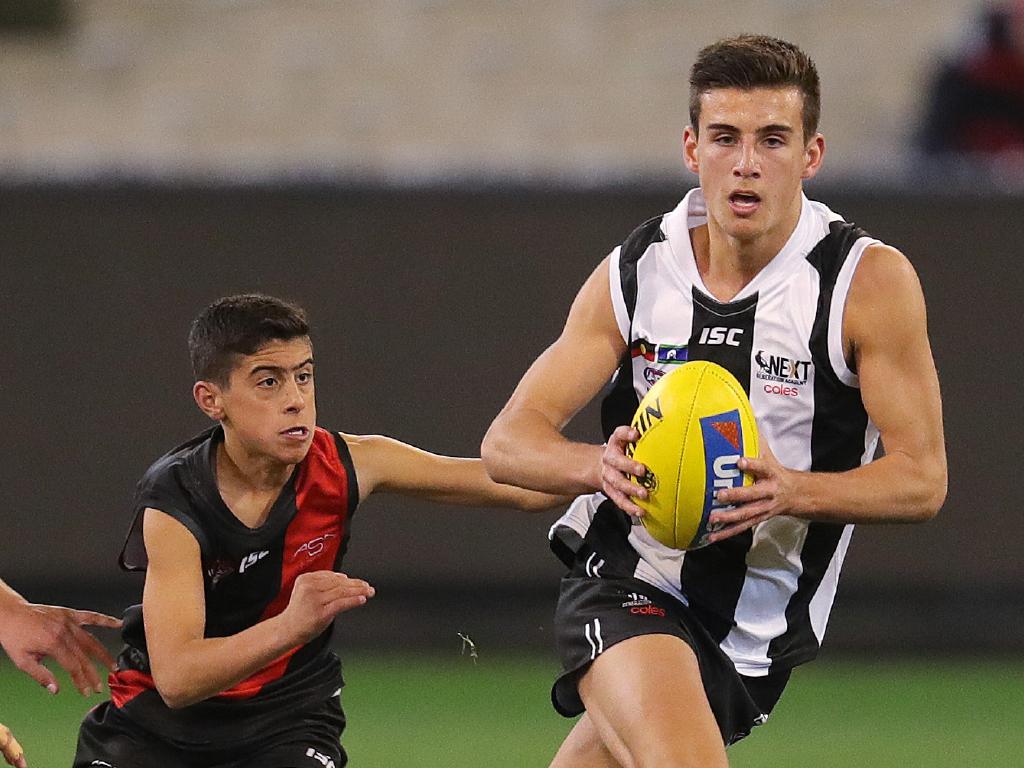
446, 712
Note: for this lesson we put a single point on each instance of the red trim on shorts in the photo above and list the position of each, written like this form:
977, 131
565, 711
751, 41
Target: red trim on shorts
126, 684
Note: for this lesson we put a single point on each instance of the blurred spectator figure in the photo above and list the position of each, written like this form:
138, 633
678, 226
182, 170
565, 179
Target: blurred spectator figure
976, 106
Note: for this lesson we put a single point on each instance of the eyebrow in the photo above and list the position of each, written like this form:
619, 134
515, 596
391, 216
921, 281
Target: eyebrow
773, 128
278, 368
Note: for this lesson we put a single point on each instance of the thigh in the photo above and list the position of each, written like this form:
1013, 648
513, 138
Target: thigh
646, 699
584, 748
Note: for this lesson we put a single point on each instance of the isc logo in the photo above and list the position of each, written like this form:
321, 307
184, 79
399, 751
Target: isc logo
251, 559
718, 335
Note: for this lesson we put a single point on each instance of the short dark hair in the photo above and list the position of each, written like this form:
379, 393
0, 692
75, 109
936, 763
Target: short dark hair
756, 61
240, 325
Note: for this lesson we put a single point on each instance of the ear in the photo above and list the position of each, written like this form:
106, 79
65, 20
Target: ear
814, 153
209, 398
690, 149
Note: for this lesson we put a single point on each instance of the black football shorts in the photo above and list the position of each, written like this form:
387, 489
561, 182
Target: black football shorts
594, 614
110, 739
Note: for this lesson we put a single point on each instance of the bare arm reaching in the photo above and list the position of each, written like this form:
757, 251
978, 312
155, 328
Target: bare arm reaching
188, 667
524, 445
886, 331
384, 464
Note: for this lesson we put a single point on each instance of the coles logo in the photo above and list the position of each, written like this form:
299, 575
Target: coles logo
641, 605
647, 610
782, 376
781, 389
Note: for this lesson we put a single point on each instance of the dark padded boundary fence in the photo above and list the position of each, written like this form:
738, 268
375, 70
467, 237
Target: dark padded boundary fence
428, 305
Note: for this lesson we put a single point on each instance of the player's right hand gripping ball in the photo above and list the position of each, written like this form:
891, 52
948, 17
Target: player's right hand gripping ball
694, 425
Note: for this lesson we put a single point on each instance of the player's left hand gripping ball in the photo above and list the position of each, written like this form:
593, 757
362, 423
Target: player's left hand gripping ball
695, 423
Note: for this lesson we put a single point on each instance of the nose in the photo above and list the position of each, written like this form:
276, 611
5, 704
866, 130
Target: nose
748, 163
295, 398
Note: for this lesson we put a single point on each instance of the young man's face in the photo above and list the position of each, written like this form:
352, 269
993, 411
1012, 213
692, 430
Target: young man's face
751, 157
269, 402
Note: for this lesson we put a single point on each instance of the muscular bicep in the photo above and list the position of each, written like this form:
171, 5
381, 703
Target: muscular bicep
579, 363
886, 326
173, 602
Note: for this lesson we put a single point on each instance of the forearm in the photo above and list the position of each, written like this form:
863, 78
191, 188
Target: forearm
8, 597
194, 670
523, 448
893, 489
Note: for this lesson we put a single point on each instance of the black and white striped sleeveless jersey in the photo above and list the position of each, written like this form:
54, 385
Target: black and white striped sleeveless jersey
765, 595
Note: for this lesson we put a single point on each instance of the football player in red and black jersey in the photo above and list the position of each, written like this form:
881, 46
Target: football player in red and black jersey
241, 532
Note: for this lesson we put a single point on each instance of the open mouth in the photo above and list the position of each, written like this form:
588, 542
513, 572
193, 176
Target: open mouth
296, 432
744, 202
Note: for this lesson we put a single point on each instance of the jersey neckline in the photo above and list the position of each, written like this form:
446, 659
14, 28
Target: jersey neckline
692, 213
281, 510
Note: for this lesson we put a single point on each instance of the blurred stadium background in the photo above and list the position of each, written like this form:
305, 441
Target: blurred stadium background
433, 180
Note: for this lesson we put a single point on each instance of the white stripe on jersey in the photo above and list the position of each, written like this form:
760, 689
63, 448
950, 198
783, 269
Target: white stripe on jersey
821, 603
766, 587
836, 353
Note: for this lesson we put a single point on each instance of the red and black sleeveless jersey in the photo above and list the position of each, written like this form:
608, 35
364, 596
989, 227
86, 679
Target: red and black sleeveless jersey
248, 575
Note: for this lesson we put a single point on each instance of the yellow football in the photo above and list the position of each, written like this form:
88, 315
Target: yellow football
695, 423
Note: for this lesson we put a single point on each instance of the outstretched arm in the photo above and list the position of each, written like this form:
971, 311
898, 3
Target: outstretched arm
386, 465
188, 667
887, 338
525, 445
29, 633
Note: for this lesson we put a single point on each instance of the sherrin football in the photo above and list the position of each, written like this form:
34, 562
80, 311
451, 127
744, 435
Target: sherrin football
695, 423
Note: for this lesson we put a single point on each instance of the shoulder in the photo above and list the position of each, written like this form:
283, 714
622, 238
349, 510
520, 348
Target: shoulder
883, 276
171, 476
368, 450
885, 295
883, 268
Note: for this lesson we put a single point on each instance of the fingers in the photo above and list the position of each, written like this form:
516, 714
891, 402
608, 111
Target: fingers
622, 500
11, 749
74, 661
728, 522
93, 647
345, 603
744, 525
30, 666
756, 468
744, 494
73, 621
93, 619
616, 465
336, 592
